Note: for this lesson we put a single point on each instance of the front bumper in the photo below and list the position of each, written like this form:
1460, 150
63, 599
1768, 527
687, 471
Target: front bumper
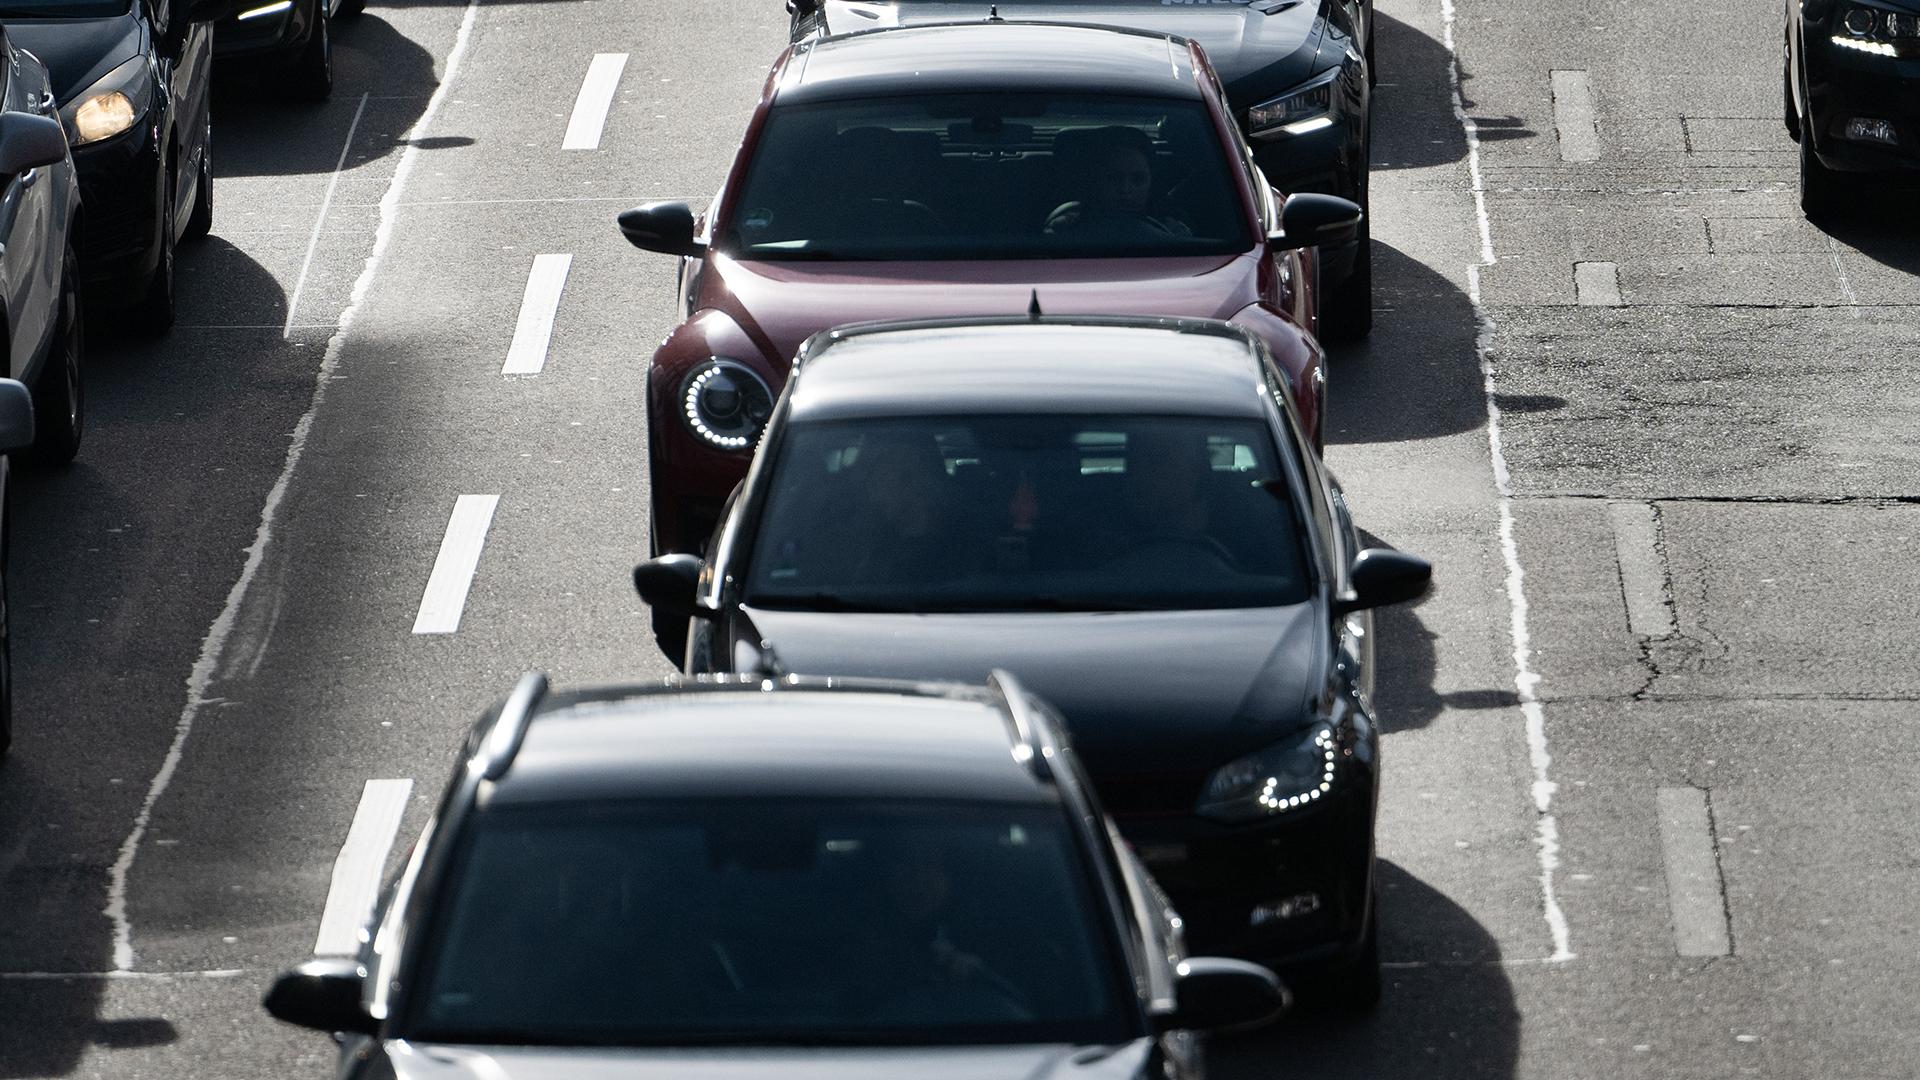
280, 34
122, 182
1843, 84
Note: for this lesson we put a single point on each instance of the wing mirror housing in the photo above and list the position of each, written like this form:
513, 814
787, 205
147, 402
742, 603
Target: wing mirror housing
1382, 576
665, 227
322, 994
670, 583
1216, 994
28, 141
16, 415
1310, 220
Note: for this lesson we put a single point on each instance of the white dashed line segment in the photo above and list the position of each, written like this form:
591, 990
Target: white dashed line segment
1643, 572
357, 869
538, 305
1597, 284
1695, 894
596, 97
445, 598
1574, 117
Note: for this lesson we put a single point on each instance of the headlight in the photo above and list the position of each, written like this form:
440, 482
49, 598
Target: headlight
1298, 111
1284, 776
725, 403
1877, 30
110, 106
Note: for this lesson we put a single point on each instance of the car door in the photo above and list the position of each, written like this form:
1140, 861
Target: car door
26, 228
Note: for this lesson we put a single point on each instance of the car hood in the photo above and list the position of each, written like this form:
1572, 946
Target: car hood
782, 304
78, 51
1237, 680
1255, 53
1044, 1062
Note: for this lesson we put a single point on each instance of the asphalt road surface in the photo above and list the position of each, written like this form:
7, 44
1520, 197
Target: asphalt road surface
1650, 806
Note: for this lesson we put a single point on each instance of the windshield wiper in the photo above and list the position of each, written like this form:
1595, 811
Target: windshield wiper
822, 601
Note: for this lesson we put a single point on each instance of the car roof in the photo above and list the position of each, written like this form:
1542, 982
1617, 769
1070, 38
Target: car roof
773, 738
989, 57
1080, 365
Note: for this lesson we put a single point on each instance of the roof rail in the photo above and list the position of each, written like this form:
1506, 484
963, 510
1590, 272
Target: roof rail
1030, 746
509, 729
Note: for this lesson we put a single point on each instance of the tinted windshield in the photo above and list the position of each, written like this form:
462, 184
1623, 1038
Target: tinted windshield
63, 9
770, 921
1003, 176
1022, 512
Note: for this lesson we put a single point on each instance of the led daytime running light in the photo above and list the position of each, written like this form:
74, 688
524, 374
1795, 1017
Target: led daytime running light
1269, 793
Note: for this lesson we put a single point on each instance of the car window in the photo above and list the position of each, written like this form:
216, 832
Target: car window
1024, 512
979, 176
743, 921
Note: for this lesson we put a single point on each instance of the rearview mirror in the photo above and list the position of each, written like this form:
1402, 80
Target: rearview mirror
666, 227
30, 142
1213, 994
669, 583
1310, 220
322, 994
1382, 576
16, 415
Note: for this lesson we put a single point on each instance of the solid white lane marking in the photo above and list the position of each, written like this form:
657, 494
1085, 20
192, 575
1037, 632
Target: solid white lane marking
538, 305
596, 97
1597, 284
357, 869
1525, 681
446, 593
214, 645
1643, 573
1695, 893
320, 220
1574, 117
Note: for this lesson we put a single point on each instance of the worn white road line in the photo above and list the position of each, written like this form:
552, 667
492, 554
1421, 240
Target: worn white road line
1525, 681
1597, 284
538, 305
357, 869
596, 97
1574, 116
215, 643
320, 220
1695, 893
1643, 572
446, 593
150, 976
1846, 283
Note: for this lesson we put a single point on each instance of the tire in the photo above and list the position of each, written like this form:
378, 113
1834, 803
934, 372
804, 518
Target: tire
1347, 312
200, 219
670, 634
157, 307
350, 8
1790, 114
59, 394
6, 640
1354, 987
1823, 192
312, 77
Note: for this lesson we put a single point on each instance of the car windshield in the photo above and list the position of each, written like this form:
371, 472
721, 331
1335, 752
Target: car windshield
978, 176
770, 922
63, 9
1027, 512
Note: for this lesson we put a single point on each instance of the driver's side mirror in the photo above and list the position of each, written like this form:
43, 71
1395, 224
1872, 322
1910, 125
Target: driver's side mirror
665, 227
669, 583
1310, 220
322, 994
30, 142
1382, 576
1213, 993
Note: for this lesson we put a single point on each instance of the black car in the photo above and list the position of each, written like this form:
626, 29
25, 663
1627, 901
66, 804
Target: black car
1127, 515
1852, 89
131, 82
1298, 73
771, 878
290, 40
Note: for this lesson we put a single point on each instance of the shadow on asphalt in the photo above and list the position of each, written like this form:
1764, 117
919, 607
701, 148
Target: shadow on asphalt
1414, 98
1417, 376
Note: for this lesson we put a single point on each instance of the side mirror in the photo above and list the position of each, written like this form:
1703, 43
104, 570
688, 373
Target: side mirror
666, 227
16, 415
323, 994
1381, 576
802, 7
28, 141
669, 582
1309, 220
1213, 993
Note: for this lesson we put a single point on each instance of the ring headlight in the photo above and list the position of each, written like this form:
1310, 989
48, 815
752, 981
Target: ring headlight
725, 403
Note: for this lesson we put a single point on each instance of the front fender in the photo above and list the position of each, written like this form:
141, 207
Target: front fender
1297, 354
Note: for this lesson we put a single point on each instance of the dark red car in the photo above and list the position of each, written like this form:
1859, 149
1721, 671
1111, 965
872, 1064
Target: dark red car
964, 169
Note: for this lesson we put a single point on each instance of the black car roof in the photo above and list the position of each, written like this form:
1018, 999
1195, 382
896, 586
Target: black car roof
744, 737
1082, 365
987, 57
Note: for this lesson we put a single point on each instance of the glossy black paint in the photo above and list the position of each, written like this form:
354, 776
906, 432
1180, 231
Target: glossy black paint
1831, 77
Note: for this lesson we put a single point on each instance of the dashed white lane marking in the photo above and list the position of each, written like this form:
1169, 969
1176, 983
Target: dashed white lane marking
1597, 284
214, 645
538, 305
1643, 573
446, 593
1695, 893
320, 220
356, 870
596, 97
1525, 681
1840, 272
1574, 117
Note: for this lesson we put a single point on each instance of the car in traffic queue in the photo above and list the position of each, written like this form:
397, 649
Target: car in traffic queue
1299, 75
288, 41
1852, 90
771, 878
1128, 515
966, 169
131, 82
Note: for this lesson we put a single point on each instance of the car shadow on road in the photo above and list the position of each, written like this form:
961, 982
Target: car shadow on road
1417, 376
1415, 127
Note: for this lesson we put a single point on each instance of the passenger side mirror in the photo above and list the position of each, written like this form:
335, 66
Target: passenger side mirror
16, 415
30, 142
1213, 994
669, 583
1310, 220
1382, 576
322, 994
665, 227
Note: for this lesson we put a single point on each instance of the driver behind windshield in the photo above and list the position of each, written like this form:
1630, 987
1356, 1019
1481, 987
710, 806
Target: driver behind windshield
1118, 186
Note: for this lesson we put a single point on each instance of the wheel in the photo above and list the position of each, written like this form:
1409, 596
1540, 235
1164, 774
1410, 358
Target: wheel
1789, 113
1373, 70
59, 394
670, 633
1346, 314
156, 310
1354, 986
6, 642
350, 8
200, 219
1822, 191
312, 77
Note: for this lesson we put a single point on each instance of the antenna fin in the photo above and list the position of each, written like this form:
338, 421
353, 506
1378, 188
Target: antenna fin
1033, 305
